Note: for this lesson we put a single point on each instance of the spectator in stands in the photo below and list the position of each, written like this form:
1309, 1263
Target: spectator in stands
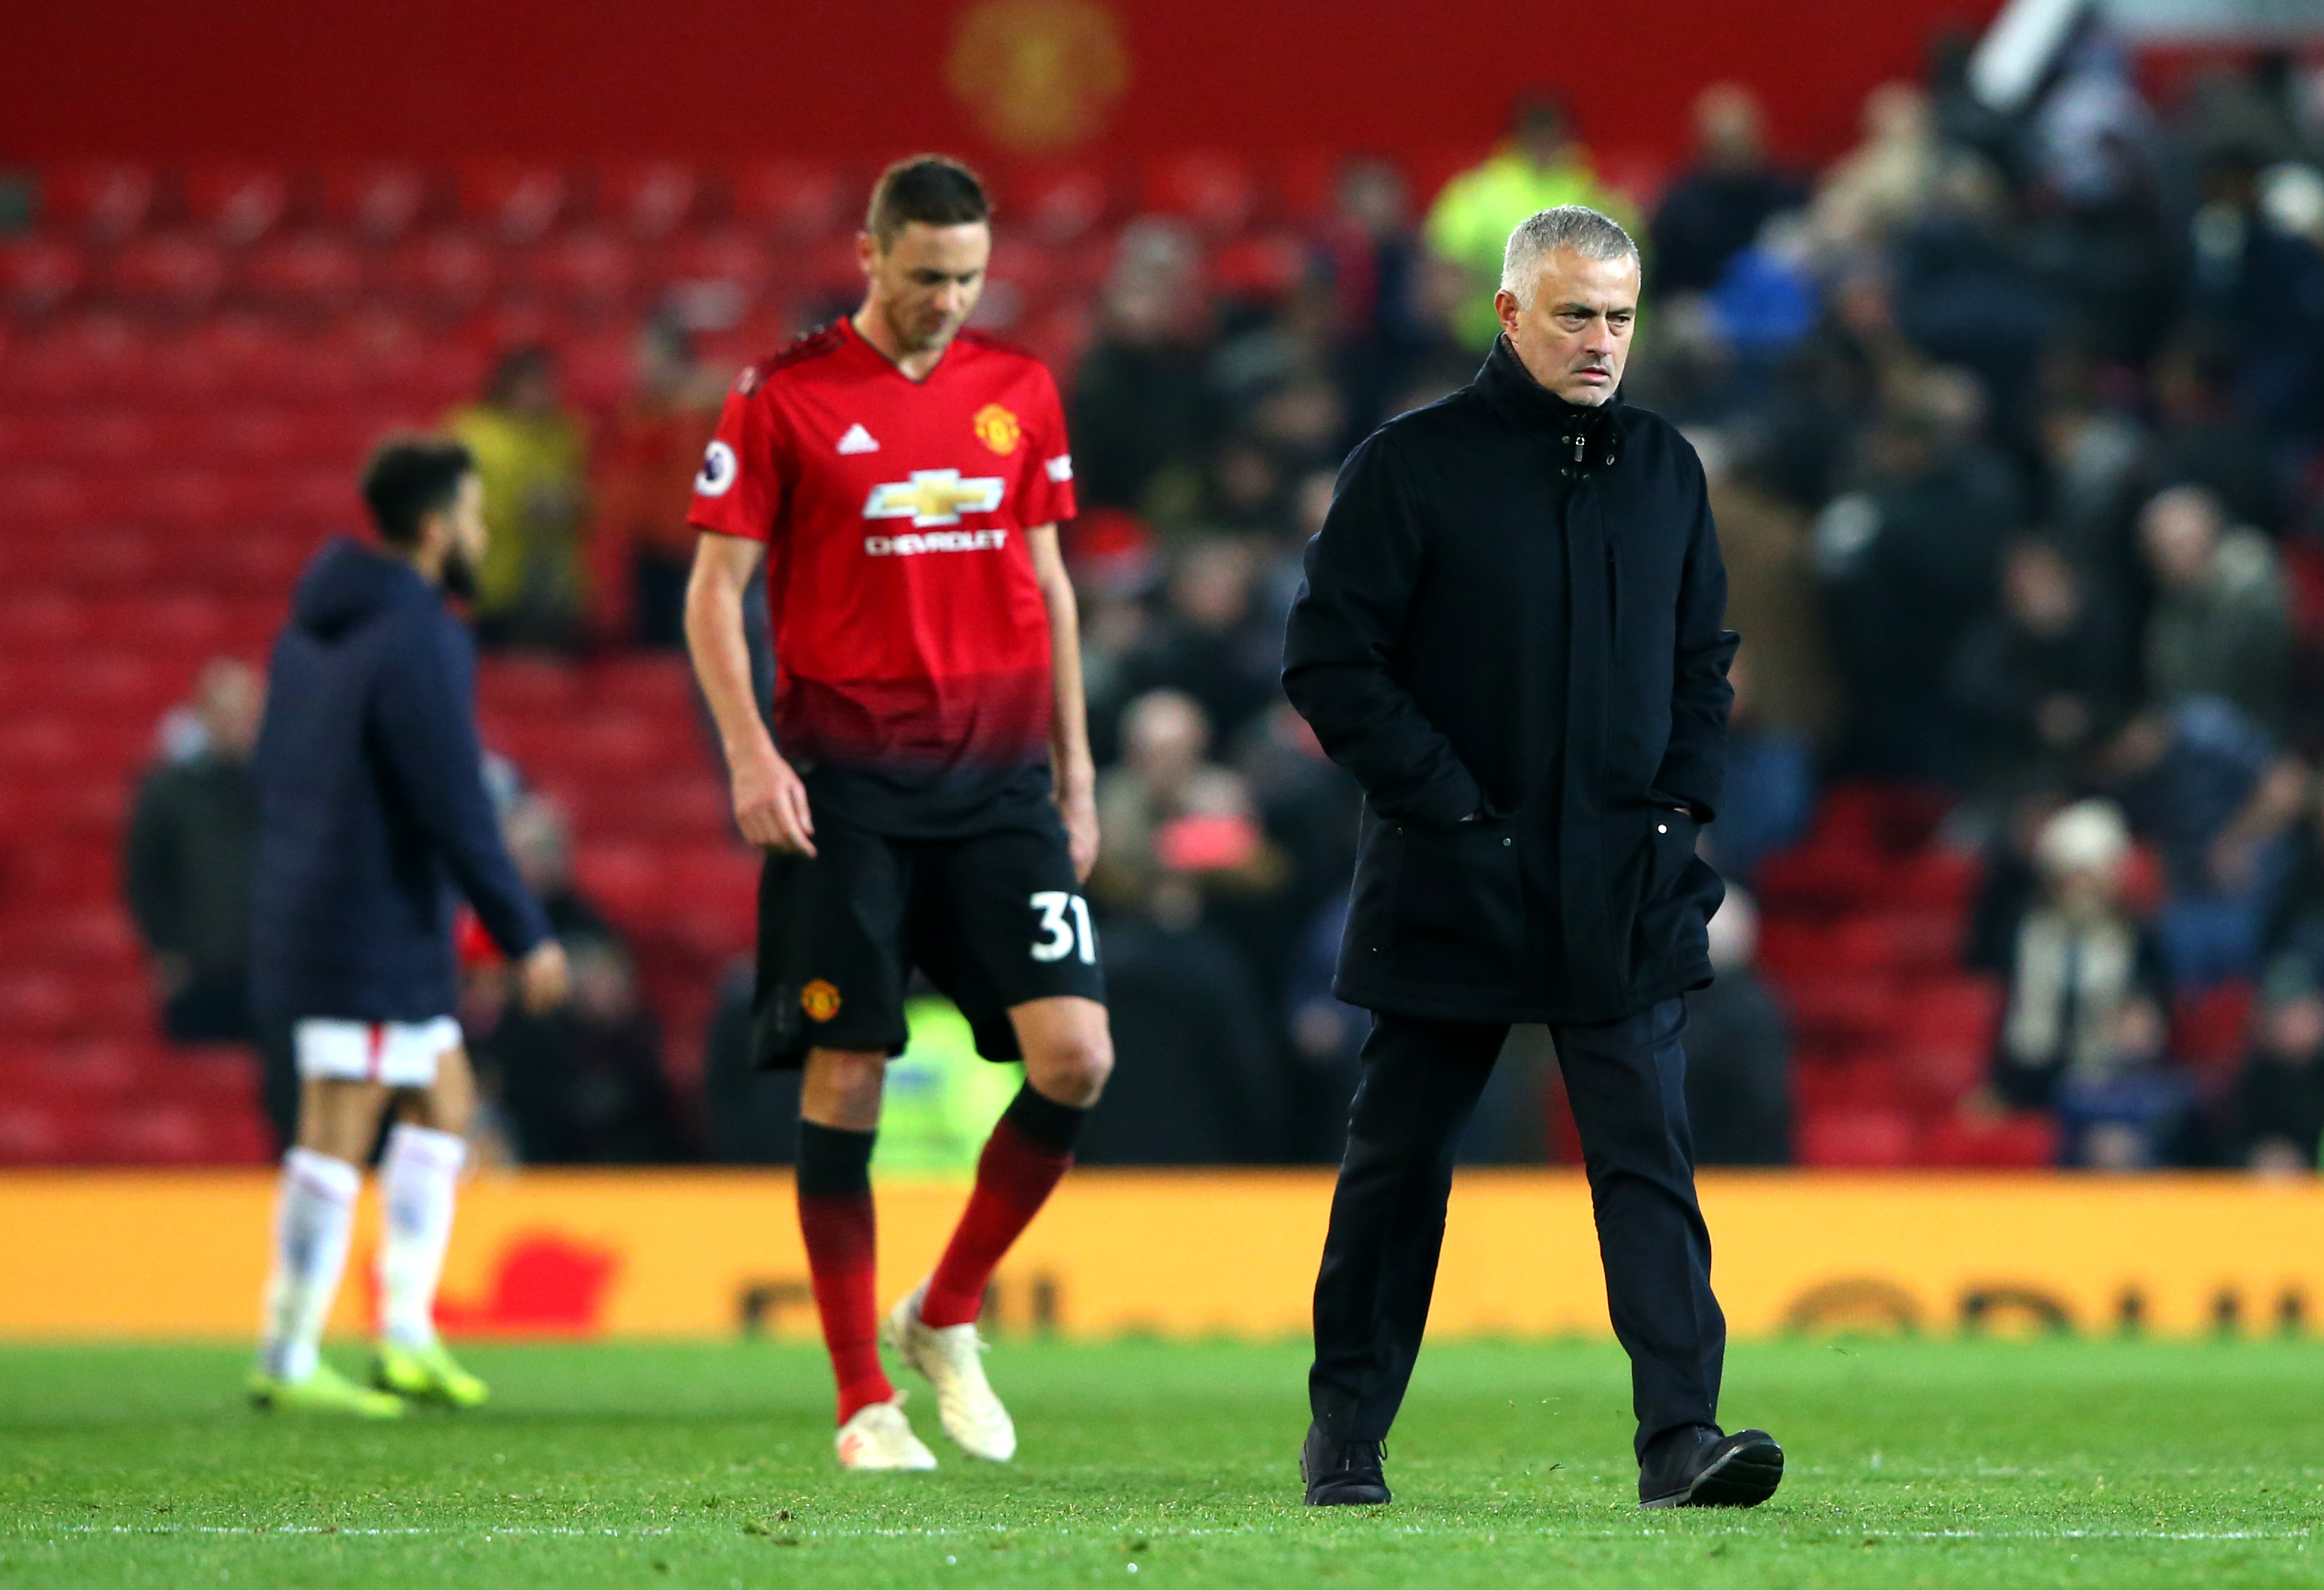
188, 872
1371, 259
583, 1084
2043, 680
2084, 1027
2221, 625
2202, 440
1739, 1050
1884, 182
750, 1115
1206, 642
640, 542
1166, 777
1198, 1047
1540, 165
1773, 598
1141, 410
1716, 207
2218, 799
1771, 785
2279, 1096
531, 454
1911, 559
188, 867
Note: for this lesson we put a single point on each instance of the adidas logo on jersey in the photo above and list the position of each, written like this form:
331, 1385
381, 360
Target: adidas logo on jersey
858, 440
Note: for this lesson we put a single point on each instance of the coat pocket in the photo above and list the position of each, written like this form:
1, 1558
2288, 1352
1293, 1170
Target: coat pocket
1458, 909
1669, 839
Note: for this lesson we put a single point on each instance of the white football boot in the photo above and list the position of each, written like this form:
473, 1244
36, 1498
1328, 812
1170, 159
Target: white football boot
952, 1357
880, 1439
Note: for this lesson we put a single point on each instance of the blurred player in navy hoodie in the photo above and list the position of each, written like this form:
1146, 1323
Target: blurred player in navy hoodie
373, 817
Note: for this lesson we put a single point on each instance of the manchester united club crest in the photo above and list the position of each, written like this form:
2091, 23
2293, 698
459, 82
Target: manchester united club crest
998, 429
1038, 75
820, 1000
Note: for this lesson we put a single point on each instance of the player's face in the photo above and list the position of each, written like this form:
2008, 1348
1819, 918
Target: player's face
465, 532
925, 283
1575, 334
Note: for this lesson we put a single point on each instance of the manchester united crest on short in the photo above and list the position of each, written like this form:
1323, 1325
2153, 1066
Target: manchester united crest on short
999, 430
820, 1000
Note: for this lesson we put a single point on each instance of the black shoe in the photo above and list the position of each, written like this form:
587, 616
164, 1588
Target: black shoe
1699, 1467
1343, 1473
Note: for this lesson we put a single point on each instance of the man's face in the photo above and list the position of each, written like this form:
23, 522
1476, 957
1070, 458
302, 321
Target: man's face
925, 283
1574, 336
465, 533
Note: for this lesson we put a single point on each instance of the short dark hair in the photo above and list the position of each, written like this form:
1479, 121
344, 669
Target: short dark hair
933, 189
408, 478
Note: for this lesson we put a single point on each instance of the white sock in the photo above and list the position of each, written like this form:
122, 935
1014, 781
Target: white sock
418, 1178
313, 1216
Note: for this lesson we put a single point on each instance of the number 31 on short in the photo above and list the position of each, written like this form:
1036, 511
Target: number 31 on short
1061, 935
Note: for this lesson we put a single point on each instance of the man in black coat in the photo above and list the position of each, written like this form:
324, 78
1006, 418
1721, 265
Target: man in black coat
1511, 635
373, 815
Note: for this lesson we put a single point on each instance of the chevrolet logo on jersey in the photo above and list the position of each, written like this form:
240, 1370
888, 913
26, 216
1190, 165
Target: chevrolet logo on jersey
934, 497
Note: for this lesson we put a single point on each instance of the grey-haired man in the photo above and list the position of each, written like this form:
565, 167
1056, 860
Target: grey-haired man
1511, 635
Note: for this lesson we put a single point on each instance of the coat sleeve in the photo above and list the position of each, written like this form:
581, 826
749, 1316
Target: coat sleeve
1362, 570
1694, 764
425, 716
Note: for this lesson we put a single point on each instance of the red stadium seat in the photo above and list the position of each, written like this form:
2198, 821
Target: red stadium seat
2021, 1142
180, 272
800, 200
658, 685
1260, 269
442, 273
378, 201
648, 199
528, 686
35, 1134
236, 204
1056, 204
593, 271
312, 272
516, 201
106, 199
739, 262
39, 274
1845, 1008
1856, 1139
1215, 189
1959, 1011
1896, 940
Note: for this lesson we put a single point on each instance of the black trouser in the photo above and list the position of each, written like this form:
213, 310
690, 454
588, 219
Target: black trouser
1627, 1083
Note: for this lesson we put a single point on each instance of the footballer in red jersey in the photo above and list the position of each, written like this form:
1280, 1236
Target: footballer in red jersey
925, 799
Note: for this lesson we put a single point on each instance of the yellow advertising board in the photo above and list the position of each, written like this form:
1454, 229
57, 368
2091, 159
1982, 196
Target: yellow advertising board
702, 1253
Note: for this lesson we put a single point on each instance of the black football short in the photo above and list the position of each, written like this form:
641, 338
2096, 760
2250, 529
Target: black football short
994, 919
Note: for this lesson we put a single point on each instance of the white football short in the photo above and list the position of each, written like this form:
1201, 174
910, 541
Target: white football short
400, 1053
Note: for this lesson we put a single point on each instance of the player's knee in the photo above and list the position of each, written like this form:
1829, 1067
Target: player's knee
1074, 1070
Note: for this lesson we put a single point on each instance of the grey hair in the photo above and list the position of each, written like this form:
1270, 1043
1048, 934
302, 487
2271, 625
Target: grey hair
1577, 227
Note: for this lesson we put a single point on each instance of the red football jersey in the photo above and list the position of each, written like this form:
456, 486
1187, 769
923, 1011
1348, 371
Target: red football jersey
910, 640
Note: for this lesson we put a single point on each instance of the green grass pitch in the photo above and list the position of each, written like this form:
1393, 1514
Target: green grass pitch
1927, 1463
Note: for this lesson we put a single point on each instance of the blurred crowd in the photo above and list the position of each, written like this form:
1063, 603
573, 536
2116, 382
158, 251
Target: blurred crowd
2011, 428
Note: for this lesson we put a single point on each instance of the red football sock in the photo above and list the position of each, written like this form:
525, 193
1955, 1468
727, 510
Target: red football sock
836, 1217
1014, 1178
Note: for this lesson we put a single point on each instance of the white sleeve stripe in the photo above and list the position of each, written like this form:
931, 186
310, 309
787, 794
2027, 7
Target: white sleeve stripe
1060, 468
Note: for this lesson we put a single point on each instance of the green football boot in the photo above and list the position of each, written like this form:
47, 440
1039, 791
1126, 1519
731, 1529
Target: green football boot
427, 1374
325, 1391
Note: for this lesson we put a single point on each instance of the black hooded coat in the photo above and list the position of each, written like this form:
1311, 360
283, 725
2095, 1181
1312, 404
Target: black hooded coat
372, 807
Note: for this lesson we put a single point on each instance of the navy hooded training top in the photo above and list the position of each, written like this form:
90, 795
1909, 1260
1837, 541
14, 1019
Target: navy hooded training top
371, 806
